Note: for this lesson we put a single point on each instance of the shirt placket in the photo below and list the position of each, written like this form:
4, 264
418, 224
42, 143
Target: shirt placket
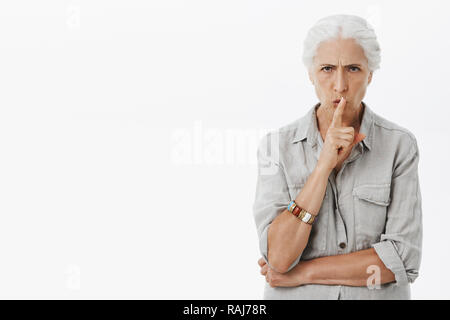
337, 185
341, 232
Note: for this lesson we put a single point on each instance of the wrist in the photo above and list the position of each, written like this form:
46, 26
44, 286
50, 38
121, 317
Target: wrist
304, 273
322, 169
308, 273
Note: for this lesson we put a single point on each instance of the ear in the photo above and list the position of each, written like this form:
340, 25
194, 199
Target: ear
311, 78
370, 77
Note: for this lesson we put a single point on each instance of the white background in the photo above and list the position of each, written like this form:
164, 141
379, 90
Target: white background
128, 134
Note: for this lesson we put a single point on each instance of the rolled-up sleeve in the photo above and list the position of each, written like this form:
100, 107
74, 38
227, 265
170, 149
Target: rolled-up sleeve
400, 246
272, 194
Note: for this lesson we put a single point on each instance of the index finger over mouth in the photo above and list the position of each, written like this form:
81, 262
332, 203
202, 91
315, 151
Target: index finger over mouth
337, 116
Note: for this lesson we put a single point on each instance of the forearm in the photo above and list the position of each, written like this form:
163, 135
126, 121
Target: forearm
347, 269
287, 235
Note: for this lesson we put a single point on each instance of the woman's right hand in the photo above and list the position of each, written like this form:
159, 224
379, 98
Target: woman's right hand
339, 140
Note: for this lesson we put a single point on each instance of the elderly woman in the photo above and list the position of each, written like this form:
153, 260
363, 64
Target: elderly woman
338, 202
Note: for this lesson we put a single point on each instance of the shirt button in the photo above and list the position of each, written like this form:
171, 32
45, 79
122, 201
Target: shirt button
342, 245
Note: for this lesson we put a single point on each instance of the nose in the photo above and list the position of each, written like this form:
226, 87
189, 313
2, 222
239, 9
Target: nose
340, 83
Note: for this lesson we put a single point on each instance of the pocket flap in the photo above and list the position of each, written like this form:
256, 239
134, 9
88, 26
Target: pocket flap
374, 193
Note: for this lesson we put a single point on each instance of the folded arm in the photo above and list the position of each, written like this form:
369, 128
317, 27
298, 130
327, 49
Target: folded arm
353, 269
360, 268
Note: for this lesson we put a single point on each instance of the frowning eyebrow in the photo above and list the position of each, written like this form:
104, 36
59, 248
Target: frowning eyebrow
350, 65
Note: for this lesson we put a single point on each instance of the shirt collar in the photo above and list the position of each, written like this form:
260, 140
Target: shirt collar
307, 128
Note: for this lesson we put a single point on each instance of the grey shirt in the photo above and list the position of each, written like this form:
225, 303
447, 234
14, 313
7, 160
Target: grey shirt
373, 201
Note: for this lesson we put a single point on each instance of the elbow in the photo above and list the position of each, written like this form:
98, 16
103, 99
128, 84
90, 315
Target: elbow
282, 265
279, 267
276, 264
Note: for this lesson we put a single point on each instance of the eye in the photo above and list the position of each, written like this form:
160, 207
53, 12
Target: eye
327, 69
354, 69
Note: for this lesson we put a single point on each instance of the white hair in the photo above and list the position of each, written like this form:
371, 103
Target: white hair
344, 26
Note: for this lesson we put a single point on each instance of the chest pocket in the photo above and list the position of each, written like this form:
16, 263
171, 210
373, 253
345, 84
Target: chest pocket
317, 241
370, 203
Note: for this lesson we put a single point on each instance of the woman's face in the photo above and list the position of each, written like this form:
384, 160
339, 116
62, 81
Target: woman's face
340, 68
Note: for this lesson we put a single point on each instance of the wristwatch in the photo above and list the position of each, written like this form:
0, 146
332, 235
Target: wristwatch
306, 217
